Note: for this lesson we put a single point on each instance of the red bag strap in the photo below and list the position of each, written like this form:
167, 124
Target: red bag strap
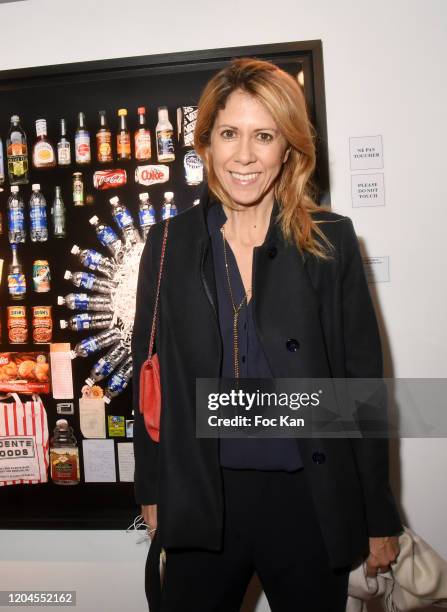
154, 317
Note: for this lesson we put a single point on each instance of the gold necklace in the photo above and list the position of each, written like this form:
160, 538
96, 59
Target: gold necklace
236, 310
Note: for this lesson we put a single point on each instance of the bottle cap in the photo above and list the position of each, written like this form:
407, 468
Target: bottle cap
15, 118
122, 112
60, 300
114, 200
15, 189
63, 324
144, 196
67, 274
169, 195
93, 220
107, 399
141, 110
35, 187
63, 423
90, 382
75, 249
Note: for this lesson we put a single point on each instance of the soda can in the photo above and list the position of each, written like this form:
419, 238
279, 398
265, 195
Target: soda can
17, 325
42, 324
41, 276
78, 189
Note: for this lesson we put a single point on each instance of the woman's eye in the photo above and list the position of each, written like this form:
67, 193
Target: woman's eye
227, 134
265, 137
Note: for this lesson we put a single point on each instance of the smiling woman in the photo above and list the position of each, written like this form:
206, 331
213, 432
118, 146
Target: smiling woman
261, 283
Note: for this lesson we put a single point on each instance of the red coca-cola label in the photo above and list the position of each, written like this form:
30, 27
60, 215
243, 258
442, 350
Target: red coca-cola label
108, 179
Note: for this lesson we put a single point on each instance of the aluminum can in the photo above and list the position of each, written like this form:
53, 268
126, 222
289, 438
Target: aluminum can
41, 276
17, 325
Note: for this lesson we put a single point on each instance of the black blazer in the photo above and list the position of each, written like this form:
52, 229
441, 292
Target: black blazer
326, 306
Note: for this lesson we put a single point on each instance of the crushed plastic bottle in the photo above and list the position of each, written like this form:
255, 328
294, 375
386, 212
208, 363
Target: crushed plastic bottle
124, 221
95, 343
108, 362
118, 381
83, 301
86, 280
87, 320
108, 238
93, 260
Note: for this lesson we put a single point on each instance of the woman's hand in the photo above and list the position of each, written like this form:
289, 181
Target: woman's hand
150, 518
382, 552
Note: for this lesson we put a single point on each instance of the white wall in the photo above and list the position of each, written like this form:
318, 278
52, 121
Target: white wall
384, 75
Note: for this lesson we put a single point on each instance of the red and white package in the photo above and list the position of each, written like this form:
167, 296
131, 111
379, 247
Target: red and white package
25, 372
24, 442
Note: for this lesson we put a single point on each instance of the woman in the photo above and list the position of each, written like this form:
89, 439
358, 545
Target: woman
258, 281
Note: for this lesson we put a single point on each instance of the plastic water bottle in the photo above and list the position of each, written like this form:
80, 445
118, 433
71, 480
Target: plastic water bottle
169, 209
64, 455
95, 343
82, 301
86, 280
105, 366
87, 320
118, 381
124, 221
146, 214
107, 237
16, 216
93, 260
38, 215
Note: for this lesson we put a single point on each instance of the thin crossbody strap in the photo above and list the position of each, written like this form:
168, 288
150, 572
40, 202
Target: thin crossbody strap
154, 317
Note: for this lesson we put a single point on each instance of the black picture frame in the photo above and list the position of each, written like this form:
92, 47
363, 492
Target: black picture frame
111, 505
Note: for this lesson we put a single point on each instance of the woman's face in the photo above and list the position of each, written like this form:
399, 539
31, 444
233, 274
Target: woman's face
246, 149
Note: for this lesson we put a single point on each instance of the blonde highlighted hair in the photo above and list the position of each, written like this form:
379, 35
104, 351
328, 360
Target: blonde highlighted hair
283, 97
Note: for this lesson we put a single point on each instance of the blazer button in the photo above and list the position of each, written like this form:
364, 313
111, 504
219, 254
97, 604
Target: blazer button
272, 252
318, 457
292, 345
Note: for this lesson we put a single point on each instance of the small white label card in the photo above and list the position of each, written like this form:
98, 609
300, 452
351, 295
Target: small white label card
61, 370
366, 152
367, 190
92, 417
99, 460
377, 269
126, 461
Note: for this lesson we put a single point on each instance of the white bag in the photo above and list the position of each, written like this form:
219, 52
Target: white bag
24, 443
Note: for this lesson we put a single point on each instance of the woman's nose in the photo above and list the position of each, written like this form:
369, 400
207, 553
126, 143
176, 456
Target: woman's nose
245, 153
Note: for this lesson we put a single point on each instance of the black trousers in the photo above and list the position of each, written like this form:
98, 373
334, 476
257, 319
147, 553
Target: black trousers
270, 527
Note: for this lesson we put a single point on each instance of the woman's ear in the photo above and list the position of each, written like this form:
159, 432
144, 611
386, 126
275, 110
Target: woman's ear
286, 155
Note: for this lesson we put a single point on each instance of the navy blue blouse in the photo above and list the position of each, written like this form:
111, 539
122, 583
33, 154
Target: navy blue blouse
243, 453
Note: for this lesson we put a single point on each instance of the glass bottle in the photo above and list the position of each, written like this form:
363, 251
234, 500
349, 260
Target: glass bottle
103, 140
43, 151
64, 455
142, 137
123, 137
165, 136
58, 215
16, 277
17, 153
63, 146
82, 142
